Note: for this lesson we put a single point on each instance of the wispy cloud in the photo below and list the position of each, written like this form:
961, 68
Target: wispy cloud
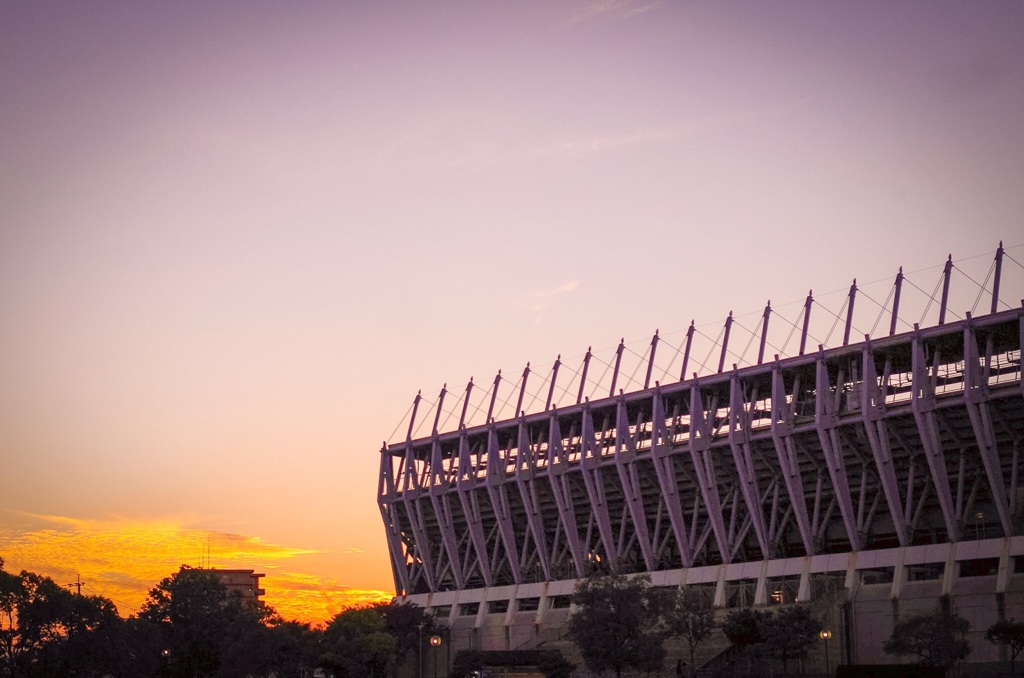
570, 286
123, 559
542, 299
595, 145
478, 153
615, 9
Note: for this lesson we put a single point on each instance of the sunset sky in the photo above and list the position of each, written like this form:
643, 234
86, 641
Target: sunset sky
237, 237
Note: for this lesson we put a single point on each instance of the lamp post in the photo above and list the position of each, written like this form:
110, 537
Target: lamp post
825, 635
419, 650
435, 642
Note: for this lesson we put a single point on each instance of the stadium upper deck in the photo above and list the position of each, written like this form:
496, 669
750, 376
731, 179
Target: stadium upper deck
906, 440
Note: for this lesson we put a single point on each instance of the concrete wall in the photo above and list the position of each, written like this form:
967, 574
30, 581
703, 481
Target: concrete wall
879, 588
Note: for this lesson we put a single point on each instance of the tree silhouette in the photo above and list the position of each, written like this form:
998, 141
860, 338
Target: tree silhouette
743, 629
935, 639
200, 625
691, 616
1009, 633
403, 621
46, 630
618, 623
357, 643
788, 633
190, 626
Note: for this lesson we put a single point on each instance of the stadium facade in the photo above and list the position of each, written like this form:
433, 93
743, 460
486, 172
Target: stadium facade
871, 480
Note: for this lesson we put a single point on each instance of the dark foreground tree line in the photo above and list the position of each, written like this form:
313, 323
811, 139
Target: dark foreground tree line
621, 623
190, 625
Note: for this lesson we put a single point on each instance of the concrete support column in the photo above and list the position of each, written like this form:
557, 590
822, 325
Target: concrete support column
949, 573
803, 592
899, 574
720, 587
761, 592
1005, 567
542, 606
852, 580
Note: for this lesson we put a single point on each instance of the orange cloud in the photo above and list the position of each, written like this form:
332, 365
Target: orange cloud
123, 559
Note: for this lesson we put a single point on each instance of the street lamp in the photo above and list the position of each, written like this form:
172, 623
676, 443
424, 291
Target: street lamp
825, 635
435, 642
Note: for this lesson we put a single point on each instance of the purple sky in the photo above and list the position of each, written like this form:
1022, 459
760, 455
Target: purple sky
236, 237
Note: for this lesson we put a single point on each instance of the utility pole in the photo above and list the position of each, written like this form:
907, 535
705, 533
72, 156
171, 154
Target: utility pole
77, 584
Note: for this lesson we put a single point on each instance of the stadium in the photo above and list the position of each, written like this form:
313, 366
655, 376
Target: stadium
863, 460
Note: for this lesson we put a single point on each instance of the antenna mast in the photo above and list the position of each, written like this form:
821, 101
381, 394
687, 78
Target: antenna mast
77, 584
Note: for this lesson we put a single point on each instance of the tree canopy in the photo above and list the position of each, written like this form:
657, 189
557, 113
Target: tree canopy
1009, 633
357, 644
374, 640
192, 626
45, 629
691, 617
618, 623
743, 628
935, 639
789, 633
203, 630
784, 634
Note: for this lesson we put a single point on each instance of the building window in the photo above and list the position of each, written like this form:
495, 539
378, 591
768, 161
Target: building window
925, 571
561, 602
826, 583
876, 575
706, 590
469, 609
981, 567
740, 592
783, 590
497, 606
528, 605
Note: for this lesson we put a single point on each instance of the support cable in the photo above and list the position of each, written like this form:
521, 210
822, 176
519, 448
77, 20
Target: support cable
892, 291
465, 399
794, 326
838, 318
773, 347
449, 413
642, 359
536, 394
504, 403
931, 297
704, 363
565, 389
1006, 254
483, 399
597, 384
400, 422
679, 349
882, 307
982, 287
750, 341
430, 408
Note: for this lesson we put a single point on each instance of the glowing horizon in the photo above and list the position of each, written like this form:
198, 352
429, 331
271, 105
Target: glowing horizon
123, 559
